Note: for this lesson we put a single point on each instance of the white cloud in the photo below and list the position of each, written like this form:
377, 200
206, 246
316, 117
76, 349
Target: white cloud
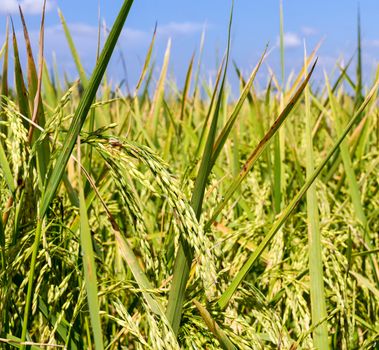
309, 31
133, 41
28, 6
136, 36
180, 28
371, 43
8, 6
85, 35
291, 40
85, 38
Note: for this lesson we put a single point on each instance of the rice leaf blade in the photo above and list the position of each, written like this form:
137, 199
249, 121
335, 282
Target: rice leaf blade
146, 62
35, 100
6, 169
84, 107
221, 139
316, 275
89, 268
69, 143
74, 52
184, 256
22, 93
226, 296
215, 328
159, 93
259, 149
345, 154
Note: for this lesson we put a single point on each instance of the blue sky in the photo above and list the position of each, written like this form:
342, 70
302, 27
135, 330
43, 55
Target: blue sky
255, 24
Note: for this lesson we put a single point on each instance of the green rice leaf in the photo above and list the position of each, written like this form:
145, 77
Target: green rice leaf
227, 295
74, 52
147, 60
35, 101
345, 154
22, 93
219, 144
89, 267
6, 170
83, 108
69, 143
259, 149
215, 328
184, 256
316, 275
159, 93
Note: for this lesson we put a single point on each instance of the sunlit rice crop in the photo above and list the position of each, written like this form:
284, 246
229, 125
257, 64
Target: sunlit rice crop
183, 217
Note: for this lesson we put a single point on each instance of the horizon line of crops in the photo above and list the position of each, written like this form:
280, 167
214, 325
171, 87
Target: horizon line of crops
116, 233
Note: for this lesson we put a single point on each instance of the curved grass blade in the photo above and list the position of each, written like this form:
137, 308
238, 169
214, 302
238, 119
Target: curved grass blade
343, 70
74, 52
34, 79
84, 82
83, 108
210, 110
304, 69
353, 186
259, 149
219, 144
147, 61
159, 93
128, 255
35, 101
225, 342
50, 95
69, 143
37, 238
89, 268
224, 299
345, 154
318, 302
31, 67
184, 256
187, 86
278, 173
196, 78
22, 94
6, 170
145, 98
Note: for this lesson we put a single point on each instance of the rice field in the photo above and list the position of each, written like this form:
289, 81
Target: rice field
185, 217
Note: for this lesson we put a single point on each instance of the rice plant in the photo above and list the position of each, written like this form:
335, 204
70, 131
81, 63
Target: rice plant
183, 217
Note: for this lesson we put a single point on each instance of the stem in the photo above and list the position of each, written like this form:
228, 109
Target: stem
28, 303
